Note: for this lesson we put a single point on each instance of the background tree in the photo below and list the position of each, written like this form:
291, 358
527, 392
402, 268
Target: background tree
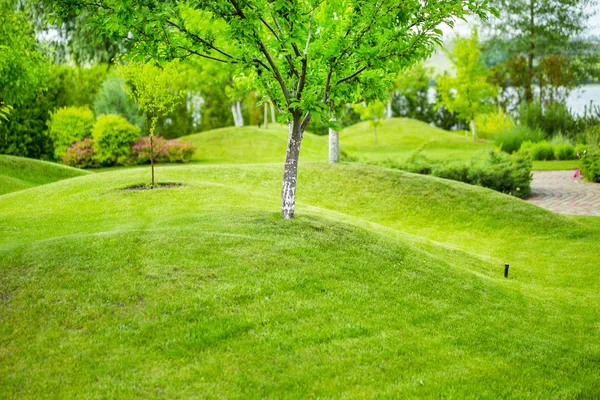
306, 54
374, 112
537, 28
468, 93
152, 89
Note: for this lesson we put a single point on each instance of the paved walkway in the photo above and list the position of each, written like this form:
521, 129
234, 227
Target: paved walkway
558, 191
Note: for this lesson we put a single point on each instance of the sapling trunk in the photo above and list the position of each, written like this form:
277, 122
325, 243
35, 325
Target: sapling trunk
375, 134
152, 158
290, 171
240, 114
388, 111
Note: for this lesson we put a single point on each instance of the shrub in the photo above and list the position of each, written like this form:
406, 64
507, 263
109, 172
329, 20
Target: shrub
164, 150
80, 154
69, 125
511, 139
580, 150
542, 151
493, 124
504, 173
113, 136
113, 99
590, 166
555, 117
564, 152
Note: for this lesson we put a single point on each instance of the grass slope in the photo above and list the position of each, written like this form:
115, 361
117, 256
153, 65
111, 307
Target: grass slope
202, 291
251, 145
398, 138
17, 173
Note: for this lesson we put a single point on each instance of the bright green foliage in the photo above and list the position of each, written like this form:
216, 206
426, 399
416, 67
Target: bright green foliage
590, 166
511, 139
18, 173
541, 151
468, 93
153, 88
5, 110
306, 54
492, 124
69, 125
564, 151
113, 99
22, 65
373, 112
113, 136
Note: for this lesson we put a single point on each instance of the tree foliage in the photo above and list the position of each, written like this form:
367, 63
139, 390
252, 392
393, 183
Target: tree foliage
468, 93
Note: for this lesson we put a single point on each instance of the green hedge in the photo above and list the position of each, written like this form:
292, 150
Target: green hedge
69, 125
113, 136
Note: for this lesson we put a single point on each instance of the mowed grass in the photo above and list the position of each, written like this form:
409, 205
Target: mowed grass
387, 285
398, 138
17, 173
252, 145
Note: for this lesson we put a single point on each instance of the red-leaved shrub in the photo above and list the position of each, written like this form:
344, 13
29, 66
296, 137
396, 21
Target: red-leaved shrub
80, 154
165, 151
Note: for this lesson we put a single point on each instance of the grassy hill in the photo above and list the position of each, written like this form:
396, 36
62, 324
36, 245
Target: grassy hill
387, 285
397, 139
17, 173
251, 145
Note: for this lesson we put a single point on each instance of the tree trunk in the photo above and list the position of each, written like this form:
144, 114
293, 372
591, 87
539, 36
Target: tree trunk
290, 172
334, 146
240, 114
473, 131
266, 116
388, 111
234, 113
152, 158
530, 54
273, 120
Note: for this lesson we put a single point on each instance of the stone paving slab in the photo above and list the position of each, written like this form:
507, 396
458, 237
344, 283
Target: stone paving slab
558, 191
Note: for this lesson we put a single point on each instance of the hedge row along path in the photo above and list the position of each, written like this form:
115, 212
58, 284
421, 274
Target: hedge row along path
558, 191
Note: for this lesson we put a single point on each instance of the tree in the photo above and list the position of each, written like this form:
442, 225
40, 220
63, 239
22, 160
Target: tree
537, 28
469, 92
307, 55
151, 87
374, 112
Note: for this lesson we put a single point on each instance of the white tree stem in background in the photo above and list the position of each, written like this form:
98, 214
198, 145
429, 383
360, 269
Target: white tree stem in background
334, 146
388, 112
273, 120
266, 116
240, 115
235, 115
473, 131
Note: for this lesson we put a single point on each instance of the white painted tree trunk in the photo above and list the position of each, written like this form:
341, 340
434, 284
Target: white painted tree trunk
388, 112
290, 171
473, 131
266, 115
273, 120
334, 146
240, 115
235, 114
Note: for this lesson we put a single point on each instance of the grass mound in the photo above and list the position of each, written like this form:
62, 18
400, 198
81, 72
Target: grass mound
398, 138
204, 291
251, 145
17, 173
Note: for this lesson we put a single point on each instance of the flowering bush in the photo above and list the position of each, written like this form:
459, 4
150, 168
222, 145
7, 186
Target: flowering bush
80, 154
164, 150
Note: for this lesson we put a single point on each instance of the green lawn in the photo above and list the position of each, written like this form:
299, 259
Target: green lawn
17, 173
556, 165
387, 285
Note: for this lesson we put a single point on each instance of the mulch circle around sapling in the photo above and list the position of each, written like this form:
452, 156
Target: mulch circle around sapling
166, 185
